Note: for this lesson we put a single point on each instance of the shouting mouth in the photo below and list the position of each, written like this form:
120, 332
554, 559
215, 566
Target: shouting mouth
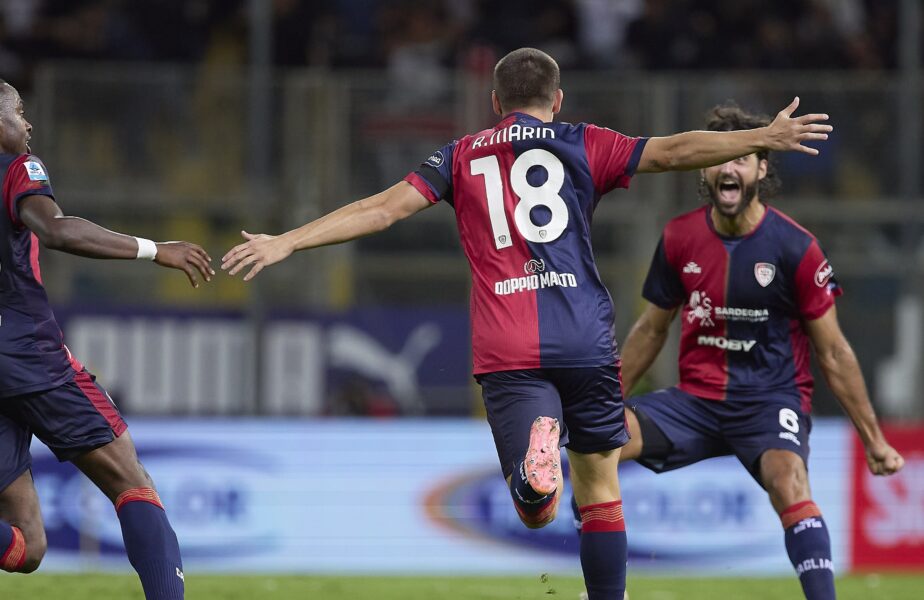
728, 192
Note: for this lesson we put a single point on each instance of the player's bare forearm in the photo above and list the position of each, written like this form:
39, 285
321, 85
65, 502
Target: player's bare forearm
643, 344
353, 221
74, 235
701, 149
358, 219
85, 238
841, 370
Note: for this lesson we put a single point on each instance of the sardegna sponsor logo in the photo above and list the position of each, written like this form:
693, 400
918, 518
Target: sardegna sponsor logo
212, 496
688, 517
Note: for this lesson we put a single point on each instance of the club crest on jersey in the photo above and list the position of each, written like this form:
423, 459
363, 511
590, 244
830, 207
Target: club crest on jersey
35, 171
823, 273
700, 308
764, 272
436, 159
692, 267
534, 266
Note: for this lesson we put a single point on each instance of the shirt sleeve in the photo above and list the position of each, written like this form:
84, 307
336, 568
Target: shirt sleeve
26, 176
815, 284
612, 156
663, 287
433, 178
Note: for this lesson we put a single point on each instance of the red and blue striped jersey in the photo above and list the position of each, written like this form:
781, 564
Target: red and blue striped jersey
524, 194
33, 356
744, 302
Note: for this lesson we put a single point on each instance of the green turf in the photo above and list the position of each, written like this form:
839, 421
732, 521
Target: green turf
220, 587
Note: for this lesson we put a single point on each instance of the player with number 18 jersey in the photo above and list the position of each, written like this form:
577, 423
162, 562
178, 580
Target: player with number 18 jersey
524, 194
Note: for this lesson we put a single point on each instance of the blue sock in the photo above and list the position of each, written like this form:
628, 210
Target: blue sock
6, 536
151, 544
604, 550
809, 547
532, 506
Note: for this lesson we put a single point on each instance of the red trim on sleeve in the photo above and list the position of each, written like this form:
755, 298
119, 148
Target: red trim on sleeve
422, 186
815, 290
610, 155
16, 184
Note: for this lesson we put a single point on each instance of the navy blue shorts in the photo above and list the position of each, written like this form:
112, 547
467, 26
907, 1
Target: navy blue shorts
697, 429
71, 419
587, 402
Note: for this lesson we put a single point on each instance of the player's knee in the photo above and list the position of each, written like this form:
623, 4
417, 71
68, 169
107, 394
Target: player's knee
787, 486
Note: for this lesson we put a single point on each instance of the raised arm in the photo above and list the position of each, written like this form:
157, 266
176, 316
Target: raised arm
645, 340
700, 149
361, 218
42, 215
842, 372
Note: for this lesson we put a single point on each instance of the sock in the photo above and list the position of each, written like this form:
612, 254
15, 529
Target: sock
12, 548
533, 507
603, 550
809, 549
151, 544
576, 512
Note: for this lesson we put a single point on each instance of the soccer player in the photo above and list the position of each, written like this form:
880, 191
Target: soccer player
544, 352
752, 288
45, 391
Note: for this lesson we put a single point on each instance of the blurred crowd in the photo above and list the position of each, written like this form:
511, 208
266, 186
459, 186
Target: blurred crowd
646, 34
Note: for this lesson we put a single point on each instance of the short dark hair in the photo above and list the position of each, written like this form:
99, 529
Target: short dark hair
731, 117
526, 78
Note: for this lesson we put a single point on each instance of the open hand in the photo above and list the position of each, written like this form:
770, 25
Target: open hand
788, 133
883, 459
260, 250
187, 257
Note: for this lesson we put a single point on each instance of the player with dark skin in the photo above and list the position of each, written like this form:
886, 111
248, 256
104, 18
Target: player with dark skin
113, 467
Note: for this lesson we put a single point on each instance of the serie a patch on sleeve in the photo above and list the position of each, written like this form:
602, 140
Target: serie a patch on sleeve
35, 170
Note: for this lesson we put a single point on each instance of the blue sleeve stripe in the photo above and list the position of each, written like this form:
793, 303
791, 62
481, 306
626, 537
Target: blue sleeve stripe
632, 165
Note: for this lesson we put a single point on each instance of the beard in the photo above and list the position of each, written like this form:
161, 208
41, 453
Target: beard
748, 192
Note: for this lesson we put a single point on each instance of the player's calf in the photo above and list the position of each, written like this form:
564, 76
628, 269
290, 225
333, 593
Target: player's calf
535, 482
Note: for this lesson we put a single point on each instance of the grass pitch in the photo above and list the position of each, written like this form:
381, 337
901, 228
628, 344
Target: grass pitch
284, 587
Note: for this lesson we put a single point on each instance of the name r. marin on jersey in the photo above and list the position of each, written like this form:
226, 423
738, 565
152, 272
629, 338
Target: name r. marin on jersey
534, 282
515, 133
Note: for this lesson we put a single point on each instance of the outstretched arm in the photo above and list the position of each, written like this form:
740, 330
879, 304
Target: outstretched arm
645, 340
42, 215
842, 372
361, 218
700, 149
